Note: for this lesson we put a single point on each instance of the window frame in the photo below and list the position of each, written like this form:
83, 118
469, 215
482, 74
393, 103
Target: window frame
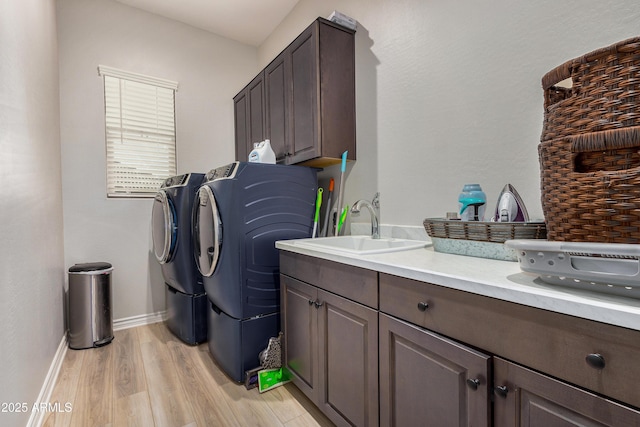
134, 87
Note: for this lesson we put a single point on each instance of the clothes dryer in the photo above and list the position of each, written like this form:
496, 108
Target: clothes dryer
172, 246
240, 212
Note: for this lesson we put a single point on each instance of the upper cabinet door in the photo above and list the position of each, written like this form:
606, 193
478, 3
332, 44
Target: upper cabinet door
241, 122
249, 115
337, 82
305, 108
277, 95
256, 111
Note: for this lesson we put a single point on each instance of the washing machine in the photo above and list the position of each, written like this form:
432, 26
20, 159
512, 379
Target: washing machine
173, 248
241, 210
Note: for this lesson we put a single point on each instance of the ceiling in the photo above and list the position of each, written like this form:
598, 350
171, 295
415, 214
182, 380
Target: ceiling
247, 21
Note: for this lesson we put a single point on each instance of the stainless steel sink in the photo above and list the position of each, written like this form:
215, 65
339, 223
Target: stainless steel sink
361, 245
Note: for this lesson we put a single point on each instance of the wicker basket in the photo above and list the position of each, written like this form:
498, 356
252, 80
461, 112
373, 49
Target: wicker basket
496, 232
604, 93
591, 187
589, 154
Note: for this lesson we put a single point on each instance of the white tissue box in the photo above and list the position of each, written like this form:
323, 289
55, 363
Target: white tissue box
343, 20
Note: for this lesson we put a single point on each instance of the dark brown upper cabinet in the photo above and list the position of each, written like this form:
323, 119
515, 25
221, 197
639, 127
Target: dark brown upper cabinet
309, 99
249, 117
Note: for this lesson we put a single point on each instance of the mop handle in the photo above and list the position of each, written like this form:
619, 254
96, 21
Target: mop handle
326, 216
343, 167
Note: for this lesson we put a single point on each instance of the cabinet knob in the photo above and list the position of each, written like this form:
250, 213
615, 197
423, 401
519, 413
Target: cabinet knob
473, 383
318, 304
595, 360
423, 305
501, 390
311, 302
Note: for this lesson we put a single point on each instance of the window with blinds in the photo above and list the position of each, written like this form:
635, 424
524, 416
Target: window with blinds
140, 132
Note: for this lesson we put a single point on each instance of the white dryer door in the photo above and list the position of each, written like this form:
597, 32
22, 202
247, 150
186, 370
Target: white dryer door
163, 227
207, 231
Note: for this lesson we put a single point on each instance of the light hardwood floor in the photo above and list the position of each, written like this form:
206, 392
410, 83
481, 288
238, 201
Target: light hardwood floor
147, 377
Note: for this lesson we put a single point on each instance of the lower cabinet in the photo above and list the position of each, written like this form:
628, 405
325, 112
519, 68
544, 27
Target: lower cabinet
429, 380
528, 398
331, 348
374, 349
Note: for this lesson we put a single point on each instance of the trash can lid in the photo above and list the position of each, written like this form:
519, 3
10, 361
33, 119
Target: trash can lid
90, 266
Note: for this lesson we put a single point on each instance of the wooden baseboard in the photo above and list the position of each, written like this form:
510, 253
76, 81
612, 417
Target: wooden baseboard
37, 417
143, 319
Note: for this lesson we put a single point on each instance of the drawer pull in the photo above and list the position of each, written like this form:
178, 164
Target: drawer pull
422, 306
501, 390
595, 360
473, 383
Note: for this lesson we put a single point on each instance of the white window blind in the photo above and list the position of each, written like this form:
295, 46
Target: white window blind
140, 132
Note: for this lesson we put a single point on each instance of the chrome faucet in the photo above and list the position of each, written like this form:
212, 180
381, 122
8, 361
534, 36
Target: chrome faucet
374, 210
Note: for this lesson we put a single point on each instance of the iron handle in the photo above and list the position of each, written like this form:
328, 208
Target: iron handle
422, 305
473, 383
501, 390
595, 360
318, 304
311, 302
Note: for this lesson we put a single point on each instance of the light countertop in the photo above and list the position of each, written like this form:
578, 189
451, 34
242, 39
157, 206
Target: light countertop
497, 279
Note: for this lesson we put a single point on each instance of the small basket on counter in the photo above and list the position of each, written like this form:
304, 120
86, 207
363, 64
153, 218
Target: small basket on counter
480, 239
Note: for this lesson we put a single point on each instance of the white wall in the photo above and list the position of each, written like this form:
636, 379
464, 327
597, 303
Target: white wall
210, 70
31, 257
448, 92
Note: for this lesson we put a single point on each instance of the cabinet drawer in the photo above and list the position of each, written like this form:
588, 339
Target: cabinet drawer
550, 342
356, 284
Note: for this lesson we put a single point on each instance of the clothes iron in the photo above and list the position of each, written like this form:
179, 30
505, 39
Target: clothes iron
510, 207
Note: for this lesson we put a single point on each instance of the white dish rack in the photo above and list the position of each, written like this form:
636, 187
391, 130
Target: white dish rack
600, 267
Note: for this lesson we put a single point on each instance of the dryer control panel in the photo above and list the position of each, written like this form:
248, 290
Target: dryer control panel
175, 181
226, 171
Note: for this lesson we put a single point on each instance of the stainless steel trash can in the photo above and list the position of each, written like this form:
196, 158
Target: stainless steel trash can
90, 323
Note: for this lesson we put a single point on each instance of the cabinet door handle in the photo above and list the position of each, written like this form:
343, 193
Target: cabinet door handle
473, 383
595, 360
318, 304
423, 305
311, 302
501, 390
